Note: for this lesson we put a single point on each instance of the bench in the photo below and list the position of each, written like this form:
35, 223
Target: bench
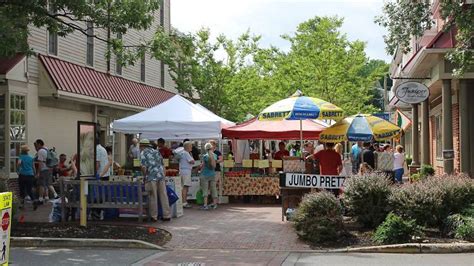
104, 195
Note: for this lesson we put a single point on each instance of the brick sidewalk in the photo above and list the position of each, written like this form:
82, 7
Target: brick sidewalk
233, 227
231, 235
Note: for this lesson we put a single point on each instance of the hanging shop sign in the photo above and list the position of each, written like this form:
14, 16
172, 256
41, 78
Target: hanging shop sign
299, 180
412, 92
385, 115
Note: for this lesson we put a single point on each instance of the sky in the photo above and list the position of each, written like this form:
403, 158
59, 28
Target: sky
272, 18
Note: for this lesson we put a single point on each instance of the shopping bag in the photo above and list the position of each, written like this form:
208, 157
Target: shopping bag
199, 197
172, 197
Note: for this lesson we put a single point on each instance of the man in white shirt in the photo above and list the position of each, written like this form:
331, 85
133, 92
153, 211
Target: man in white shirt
102, 161
43, 172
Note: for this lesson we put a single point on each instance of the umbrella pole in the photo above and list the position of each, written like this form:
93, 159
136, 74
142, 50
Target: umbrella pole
301, 138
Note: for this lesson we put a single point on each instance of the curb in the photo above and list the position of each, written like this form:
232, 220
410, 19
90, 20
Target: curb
412, 248
409, 248
82, 243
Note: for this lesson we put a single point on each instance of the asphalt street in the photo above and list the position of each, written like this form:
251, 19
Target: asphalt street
68, 256
90, 256
366, 259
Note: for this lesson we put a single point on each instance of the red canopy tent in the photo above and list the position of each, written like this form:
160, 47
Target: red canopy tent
283, 129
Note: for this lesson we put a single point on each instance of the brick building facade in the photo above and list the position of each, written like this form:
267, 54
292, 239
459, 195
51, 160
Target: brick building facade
448, 110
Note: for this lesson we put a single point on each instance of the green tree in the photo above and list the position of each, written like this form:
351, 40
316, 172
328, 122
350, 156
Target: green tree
323, 63
376, 70
218, 73
245, 78
406, 19
67, 16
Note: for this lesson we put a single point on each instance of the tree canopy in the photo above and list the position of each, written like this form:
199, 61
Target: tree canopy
407, 19
67, 16
232, 78
321, 62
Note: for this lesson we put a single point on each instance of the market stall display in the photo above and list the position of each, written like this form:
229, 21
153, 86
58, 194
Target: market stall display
251, 185
299, 107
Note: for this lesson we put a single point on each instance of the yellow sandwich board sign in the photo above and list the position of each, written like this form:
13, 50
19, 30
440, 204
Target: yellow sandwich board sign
6, 215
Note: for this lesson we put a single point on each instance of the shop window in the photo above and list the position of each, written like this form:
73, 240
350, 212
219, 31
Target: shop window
52, 43
2, 131
439, 136
52, 36
17, 127
118, 59
142, 68
162, 74
90, 43
162, 13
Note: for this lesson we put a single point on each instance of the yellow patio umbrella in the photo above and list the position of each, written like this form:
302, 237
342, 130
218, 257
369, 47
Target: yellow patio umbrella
360, 127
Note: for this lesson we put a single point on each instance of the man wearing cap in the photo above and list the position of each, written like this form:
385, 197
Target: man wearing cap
154, 177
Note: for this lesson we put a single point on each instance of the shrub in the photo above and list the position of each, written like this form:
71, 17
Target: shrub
366, 198
430, 201
469, 211
318, 219
460, 226
426, 170
416, 177
396, 230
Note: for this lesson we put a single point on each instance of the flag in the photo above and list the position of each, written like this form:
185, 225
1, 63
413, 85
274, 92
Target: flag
402, 120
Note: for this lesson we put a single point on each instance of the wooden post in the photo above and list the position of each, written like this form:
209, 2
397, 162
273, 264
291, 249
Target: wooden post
63, 200
446, 99
140, 201
83, 201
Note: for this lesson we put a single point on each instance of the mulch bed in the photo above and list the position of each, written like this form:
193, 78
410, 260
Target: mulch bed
357, 236
73, 230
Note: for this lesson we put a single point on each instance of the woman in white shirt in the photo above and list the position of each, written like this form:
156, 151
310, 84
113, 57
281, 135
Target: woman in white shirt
339, 149
398, 162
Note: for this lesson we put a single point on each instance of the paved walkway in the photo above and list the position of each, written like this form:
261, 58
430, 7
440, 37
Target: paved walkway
233, 227
231, 235
248, 227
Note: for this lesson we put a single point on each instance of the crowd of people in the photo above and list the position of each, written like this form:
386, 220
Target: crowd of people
328, 158
37, 174
152, 155
367, 157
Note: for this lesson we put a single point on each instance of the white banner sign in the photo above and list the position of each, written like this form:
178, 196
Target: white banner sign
314, 181
412, 92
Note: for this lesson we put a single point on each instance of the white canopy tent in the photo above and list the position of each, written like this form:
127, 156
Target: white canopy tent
175, 119
225, 123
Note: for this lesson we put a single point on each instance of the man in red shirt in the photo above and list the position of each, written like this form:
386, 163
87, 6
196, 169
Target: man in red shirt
330, 161
282, 152
166, 152
63, 169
